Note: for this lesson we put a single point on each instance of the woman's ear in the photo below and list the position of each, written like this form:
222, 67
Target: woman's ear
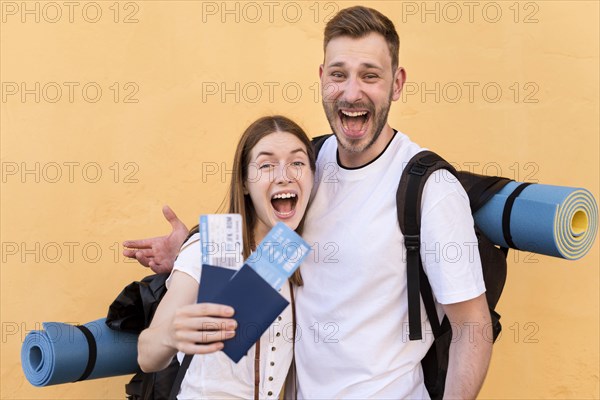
245, 189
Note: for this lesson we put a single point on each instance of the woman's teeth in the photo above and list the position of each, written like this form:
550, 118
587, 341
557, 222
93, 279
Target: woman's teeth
284, 196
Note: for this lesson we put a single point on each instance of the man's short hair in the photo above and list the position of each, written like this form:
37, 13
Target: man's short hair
357, 22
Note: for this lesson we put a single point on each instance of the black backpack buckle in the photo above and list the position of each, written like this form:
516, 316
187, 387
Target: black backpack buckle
418, 169
412, 242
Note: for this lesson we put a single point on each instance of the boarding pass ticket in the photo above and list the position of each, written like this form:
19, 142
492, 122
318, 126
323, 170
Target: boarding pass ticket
278, 255
221, 240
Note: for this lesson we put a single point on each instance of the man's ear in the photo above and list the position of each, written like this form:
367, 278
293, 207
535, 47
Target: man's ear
399, 79
321, 71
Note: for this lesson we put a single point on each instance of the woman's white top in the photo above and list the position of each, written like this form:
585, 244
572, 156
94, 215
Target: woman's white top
215, 375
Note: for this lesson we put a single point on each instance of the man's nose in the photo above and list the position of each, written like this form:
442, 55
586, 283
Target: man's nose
352, 91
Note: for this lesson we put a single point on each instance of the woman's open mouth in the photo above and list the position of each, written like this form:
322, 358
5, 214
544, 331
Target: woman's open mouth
354, 123
284, 204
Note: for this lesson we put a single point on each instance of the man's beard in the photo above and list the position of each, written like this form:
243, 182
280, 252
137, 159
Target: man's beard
377, 118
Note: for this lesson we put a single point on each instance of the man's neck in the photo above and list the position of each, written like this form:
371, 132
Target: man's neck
355, 160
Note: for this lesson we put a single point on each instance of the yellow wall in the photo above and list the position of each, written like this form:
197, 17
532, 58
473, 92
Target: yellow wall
155, 139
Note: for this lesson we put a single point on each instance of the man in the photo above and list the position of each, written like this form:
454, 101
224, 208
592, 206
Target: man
352, 311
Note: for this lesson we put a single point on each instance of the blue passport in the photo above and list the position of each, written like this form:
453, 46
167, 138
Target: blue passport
255, 302
253, 289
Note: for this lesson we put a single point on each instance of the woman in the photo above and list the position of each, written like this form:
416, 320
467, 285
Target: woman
272, 179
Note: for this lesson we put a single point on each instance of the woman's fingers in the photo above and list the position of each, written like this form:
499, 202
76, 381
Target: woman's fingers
202, 328
203, 337
205, 310
192, 348
204, 324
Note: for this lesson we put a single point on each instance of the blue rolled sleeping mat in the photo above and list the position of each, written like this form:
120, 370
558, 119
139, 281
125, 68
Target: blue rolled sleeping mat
62, 353
557, 221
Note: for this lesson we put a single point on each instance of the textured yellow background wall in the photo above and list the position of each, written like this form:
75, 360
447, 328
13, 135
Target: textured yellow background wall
112, 109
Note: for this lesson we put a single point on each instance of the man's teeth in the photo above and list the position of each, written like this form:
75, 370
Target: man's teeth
284, 195
354, 114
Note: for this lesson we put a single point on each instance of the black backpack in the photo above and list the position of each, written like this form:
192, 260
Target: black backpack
132, 312
480, 189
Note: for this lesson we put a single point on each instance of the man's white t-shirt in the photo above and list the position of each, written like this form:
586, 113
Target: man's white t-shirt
352, 311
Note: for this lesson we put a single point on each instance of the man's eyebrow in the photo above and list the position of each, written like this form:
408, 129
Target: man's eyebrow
337, 64
371, 66
364, 65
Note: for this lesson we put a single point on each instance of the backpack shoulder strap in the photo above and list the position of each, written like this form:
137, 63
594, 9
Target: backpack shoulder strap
318, 143
185, 365
408, 204
414, 176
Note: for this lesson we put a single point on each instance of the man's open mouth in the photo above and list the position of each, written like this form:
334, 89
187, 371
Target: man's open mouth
354, 122
284, 204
